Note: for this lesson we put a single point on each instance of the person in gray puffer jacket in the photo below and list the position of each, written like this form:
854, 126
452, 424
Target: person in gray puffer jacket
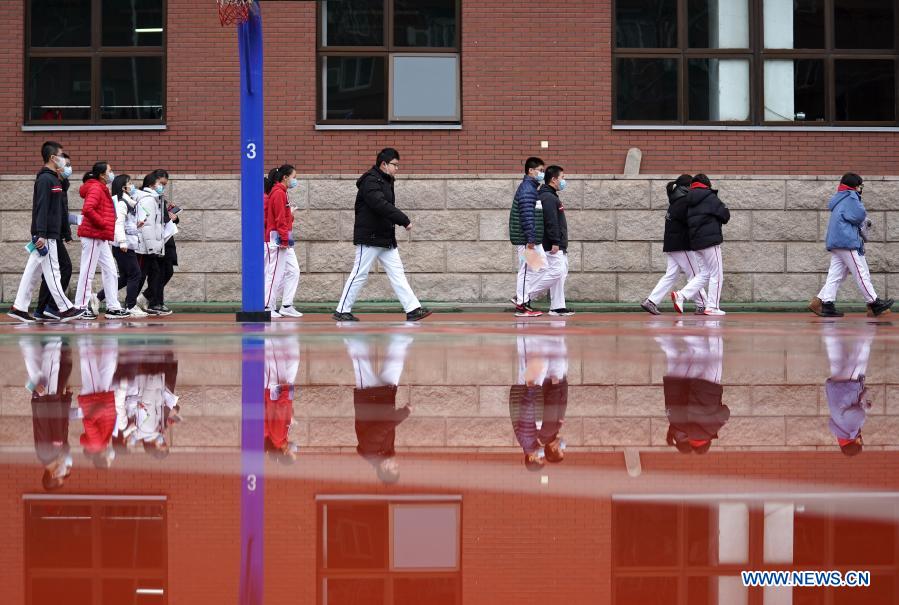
127, 241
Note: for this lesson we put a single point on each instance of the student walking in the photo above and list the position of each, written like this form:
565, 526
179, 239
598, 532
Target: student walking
96, 231
676, 246
374, 235
124, 250
47, 209
705, 215
150, 241
44, 298
164, 267
847, 396
846, 243
282, 270
525, 232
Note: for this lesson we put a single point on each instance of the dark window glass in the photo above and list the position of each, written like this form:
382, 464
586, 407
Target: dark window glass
864, 542
440, 591
810, 539
647, 89
797, 24
132, 23
865, 90
59, 536
355, 88
355, 592
353, 22
425, 23
132, 537
864, 24
70, 591
60, 23
116, 592
645, 591
357, 537
646, 23
646, 535
711, 25
702, 536
719, 89
132, 88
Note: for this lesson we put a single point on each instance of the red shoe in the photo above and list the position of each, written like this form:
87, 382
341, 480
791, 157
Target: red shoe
528, 313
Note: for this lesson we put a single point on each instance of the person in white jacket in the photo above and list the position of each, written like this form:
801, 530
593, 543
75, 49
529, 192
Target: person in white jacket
125, 246
151, 241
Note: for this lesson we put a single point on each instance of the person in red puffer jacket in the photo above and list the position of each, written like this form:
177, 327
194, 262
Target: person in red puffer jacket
282, 271
99, 358
96, 230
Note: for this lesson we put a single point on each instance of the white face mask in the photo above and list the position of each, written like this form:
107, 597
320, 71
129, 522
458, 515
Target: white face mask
60, 162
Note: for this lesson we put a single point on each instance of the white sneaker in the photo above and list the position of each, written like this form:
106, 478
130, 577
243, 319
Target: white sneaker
137, 312
678, 299
289, 312
276, 315
711, 311
142, 301
95, 304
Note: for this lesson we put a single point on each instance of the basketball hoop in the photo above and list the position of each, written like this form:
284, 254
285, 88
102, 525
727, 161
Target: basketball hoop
234, 11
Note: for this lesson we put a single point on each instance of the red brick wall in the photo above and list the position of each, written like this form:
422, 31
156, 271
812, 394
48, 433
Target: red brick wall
509, 105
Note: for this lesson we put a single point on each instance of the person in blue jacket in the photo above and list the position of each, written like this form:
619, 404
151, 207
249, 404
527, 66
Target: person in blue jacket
847, 396
523, 232
846, 243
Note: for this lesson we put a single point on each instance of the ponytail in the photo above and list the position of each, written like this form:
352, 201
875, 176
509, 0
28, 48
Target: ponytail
96, 170
276, 175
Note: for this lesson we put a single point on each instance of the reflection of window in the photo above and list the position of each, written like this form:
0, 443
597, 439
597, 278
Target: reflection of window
95, 62
389, 61
91, 552
389, 553
777, 62
679, 552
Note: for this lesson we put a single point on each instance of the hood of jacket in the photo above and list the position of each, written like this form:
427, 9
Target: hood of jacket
841, 196
679, 193
91, 185
697, 196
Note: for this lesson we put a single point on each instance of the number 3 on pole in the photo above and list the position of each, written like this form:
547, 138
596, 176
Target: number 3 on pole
251, 151
251, 483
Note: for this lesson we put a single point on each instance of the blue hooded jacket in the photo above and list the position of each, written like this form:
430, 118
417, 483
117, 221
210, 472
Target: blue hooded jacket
847, 214
848, 407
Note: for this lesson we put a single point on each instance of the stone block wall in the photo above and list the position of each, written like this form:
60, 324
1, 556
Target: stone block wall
458, 249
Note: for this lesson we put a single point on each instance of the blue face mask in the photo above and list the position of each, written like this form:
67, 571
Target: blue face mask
132, 190
293, 184
66, 172
563, 184
540, 176
160, 189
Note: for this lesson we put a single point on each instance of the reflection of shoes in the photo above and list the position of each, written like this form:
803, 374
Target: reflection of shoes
828, 309
650, 307
678, 299
136, 311
94, 304
344, 317
700, 310
879, 307
418, 314
24, 316
528, 313
289, 311
563, 312
711, 311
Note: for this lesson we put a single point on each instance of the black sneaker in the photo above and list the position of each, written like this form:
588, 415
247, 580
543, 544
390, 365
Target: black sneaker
71, 314
165, 310
563, 312
159, 310
650, 307
418, 314
828, 309
344, 317
117, 314
86, 315
152, 310
879, 307
24, 316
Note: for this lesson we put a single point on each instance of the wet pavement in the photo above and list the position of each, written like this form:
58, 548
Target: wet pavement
467, 459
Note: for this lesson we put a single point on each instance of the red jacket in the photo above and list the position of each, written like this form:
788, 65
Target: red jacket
278, 416
278, 216
98, 214
99, 420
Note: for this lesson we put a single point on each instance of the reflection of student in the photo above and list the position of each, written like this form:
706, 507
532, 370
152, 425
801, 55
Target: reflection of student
49, 365
97, 398
374, 400
151, 404
282, 362
693, 391
847, 395
542, 378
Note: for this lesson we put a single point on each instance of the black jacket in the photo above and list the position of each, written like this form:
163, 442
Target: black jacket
555, 227
694, 407
376, 421
50, 413
376, 212
677, 235
49, 206
171, 252
705, 215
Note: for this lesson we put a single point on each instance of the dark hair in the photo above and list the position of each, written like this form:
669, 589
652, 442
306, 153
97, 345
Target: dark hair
850, 179
852, 449
65, 155
161, 173
683, 180
552, 172
678, 441
118, 184
702, 179
276, 175
532, 465
97, 169
554, 453
702, 449
386, 155
532, 162
151, 179
49, 482
267, 184
50, 148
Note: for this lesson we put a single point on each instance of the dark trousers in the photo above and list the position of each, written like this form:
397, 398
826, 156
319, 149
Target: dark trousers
44, 299
129, 275
153, 273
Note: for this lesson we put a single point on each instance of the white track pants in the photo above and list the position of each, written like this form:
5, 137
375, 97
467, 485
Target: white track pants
282, 276
551, 278
393, 267
96, 252
687, 262
712, 274
48, 266
842, 263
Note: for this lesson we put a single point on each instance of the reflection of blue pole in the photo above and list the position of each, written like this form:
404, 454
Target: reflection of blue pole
252, 166
252, 486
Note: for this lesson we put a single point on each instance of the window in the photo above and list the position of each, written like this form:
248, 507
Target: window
92, 552
389, 61
756, 62
389, 553
99, 62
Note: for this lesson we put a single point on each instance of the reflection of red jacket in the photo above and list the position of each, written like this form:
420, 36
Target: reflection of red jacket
98, 214
278, 416
278, 216
99, 420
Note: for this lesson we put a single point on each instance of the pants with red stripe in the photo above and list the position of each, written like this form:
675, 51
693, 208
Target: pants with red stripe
683, 261
842, 263
282, 276
712, 274
96, 252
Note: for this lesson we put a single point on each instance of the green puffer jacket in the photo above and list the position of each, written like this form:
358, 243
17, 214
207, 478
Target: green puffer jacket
516, 232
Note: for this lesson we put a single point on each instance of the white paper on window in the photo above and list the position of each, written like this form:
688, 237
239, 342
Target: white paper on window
424, 87
425, 536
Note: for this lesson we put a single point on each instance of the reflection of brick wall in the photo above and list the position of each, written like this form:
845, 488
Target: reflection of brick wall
520, 540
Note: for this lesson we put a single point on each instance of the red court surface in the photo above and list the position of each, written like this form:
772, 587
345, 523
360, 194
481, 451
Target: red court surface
471, 458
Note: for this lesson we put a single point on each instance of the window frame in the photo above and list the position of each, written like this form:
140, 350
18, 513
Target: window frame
387, 51
757, 55
96, 52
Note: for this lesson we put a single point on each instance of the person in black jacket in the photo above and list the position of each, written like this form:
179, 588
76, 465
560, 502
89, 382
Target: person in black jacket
676, 246
705, 215
47, 209
555, 244
374, 235
44, 300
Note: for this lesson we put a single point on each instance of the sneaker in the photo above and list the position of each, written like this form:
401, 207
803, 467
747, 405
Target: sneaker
142, 301
71, 314
344, 317
275, 315
165, 310
418, 314
699, 310
136, 311
528, 313
117, 314
828, 309
40, 317
159, 310
678, 299
522, 307
24, 316
86, 315
816, 306
151, 310
879, 307
650, 307
712, 311
289, 311
94, 304
563, 312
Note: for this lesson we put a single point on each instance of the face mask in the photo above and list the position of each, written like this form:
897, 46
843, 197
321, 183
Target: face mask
293, 184
110, 176
563, 184
60, 162
132, 190
540, 176
66, 172
160, 189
